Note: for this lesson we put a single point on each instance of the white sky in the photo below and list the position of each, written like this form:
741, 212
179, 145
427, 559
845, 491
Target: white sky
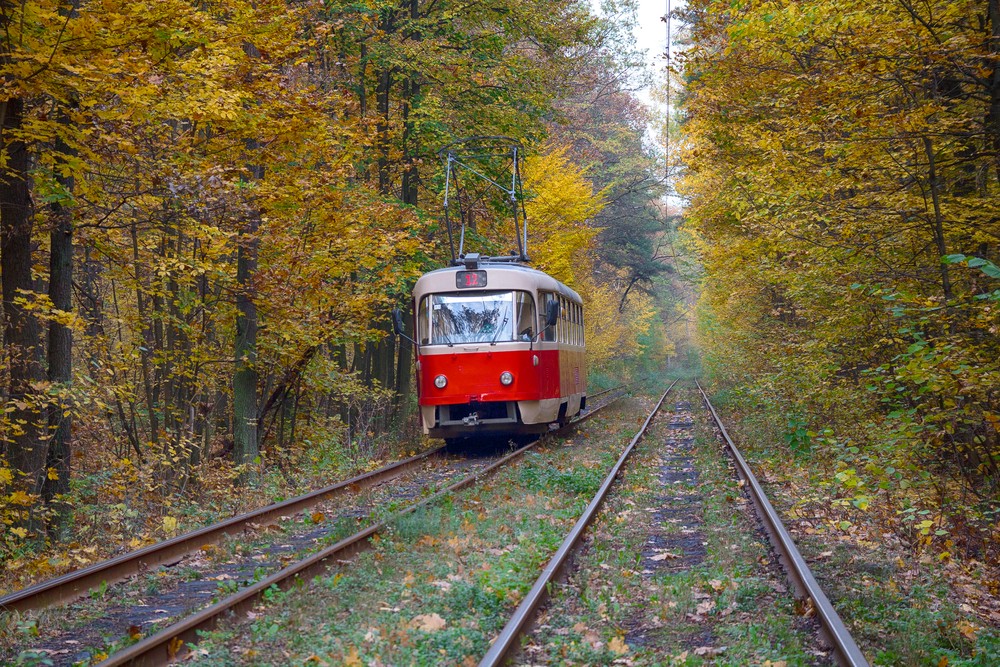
651, 33
651, 36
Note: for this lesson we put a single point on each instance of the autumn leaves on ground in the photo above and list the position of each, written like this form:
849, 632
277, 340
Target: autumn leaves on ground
207, 211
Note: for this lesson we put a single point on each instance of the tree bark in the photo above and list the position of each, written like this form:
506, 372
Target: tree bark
26, 450
146, 349
993, 115
411, 90
937, 223
246, 442
60, 350
382, 129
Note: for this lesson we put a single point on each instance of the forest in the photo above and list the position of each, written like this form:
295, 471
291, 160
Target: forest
208, 211
843, 168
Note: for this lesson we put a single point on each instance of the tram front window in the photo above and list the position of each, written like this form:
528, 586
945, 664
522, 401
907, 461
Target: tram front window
484, 317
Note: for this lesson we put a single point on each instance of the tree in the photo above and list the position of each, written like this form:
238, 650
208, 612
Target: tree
838, 153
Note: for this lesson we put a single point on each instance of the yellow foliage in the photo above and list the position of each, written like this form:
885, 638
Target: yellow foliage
20, 498
560, 206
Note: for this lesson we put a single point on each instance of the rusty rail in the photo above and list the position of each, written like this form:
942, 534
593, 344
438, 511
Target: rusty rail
73, 585
504, 643
845, 650
173, 641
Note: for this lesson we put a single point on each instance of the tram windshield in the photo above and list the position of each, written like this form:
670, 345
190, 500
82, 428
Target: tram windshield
482, 317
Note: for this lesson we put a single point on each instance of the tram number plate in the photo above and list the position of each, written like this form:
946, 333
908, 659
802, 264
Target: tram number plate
467, 279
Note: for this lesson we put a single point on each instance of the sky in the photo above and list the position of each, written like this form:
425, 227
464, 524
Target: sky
651, 33
651, 36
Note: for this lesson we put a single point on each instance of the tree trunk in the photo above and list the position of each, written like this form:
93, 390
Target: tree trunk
937, 223
26, 450
60, 350
411, 89
404, 384
993, 115
27, 446
382, 129
146, 350
246, 444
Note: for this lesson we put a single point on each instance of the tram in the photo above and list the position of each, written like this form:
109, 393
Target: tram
499, 348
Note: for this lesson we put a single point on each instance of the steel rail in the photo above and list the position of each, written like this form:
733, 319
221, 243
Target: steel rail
500, 649
845, 650
73, 585
621, 386
606, 391
172, 641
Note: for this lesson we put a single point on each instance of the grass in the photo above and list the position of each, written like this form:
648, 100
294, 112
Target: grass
442, 581
721, 607
903, 606
162, 581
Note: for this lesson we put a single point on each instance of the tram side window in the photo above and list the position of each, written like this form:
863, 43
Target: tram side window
563, 312
570, 322
525, 316
549, 333
576, 324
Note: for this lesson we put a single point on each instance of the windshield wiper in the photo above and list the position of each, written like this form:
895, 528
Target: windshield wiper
499, 329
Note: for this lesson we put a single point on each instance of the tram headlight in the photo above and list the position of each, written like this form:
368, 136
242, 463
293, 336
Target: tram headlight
440, 381
506, 378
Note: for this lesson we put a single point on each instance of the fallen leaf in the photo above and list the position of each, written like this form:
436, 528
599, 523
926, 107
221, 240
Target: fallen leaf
968, 630
618, 646
318, 517
428, 623
173, 646
352, 659
664, 556
705, 607
805, 607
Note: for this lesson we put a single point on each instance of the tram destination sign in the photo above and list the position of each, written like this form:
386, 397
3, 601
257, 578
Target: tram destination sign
470, 279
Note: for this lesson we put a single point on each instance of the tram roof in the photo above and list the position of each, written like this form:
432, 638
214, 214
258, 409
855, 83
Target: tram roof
511, 276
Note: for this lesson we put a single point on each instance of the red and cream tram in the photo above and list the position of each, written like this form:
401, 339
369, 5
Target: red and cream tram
500, 350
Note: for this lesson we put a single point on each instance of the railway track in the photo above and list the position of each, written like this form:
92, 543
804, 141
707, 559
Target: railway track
836, 634
73, 585
172, 641
843, 647
503, 645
